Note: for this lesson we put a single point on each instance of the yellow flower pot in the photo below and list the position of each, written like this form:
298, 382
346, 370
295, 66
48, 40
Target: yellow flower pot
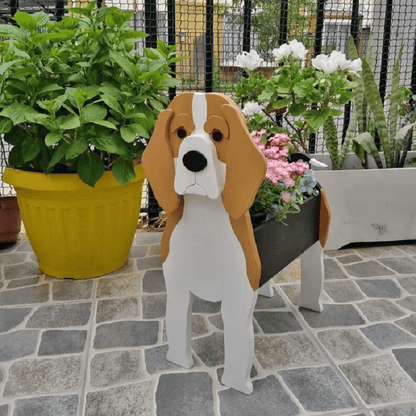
77, 231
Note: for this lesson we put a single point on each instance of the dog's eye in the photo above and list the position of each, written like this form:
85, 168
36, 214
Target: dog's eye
216, 135
181, 133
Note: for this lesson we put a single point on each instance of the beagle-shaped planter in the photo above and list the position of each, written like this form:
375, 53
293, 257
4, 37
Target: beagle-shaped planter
205, 170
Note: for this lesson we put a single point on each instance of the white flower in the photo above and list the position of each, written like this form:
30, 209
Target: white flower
252, 108
298, 49
250, 60
356, 65
340, 59
293, 47
320, 61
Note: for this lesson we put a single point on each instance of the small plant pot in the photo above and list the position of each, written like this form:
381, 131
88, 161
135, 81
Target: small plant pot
77, 231
10, 221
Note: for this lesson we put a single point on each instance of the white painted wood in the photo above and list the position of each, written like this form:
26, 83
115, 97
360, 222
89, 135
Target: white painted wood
312, 272
370, 205
267, 289
207, 260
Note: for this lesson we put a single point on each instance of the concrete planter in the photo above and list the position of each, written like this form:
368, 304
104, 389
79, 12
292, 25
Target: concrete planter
369, 205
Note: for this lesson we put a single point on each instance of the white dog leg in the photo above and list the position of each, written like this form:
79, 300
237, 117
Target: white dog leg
178, 325
312, 271
237, 314
267, 289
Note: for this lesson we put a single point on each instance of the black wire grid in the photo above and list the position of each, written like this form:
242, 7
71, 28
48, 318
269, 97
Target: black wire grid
211, 33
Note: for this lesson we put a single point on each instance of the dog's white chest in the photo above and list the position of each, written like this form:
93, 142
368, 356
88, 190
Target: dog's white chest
205, 255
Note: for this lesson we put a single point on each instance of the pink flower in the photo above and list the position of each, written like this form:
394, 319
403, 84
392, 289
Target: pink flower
286, 197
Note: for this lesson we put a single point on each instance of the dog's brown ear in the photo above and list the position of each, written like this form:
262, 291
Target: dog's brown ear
158, 164
324, 218
246, 165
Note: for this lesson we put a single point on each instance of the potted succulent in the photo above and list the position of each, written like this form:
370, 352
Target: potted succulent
375, 204
77, 104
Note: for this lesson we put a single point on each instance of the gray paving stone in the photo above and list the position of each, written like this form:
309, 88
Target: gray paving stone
370, 268
407, 360
318, 389
277, 322
283, 351
407, 248
146, 238
379, 251
12, 258
11, 317
1, 283
19, 271
62, 342
343, 291
126, 334
2, 375
350, 258
156, 361
408, 283
43, 376
24, 246
185, 394
154, 307
47, 406
24, 296
275, 302
154, 250
403, 265
198, 327
386, 335
204, 306
339, 253
59, 316
17, 344
292, 292
4, 409
210, 349
217, 321
119, 286
220, 372
154, 282
408, 303
268, 399
131, 400
345, 344
29, 281
72, 290
137, 251
379, 288
379, 380
404, 410
332, 315
115, 367
409, 323
146, 263
380, 310
117, 309
332, 270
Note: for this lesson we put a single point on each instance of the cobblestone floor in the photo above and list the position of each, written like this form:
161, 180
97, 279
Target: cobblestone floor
98, 347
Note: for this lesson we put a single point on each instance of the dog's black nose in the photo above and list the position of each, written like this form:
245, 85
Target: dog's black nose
194, 161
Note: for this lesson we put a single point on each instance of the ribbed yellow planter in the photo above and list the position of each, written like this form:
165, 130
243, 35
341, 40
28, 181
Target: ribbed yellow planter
77, 231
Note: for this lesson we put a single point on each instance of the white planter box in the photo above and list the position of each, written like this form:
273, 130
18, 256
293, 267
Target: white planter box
369, 205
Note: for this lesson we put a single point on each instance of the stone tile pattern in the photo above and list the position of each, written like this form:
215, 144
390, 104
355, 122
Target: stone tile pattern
98, 347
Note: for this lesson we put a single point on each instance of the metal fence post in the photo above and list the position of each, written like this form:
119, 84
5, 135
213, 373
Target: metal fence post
209, 46
59, 9
385, 49
247, 25
172, 38
150, 23
355, 33
319, 30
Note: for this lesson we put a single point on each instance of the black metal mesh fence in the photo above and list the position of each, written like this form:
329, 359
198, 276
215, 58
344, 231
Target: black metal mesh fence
211, 33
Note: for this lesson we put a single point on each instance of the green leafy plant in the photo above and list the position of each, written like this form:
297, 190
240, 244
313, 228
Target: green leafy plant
307, 97
370, 116
76, 97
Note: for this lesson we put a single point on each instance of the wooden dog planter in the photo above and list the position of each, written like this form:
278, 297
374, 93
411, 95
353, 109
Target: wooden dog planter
205, 171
